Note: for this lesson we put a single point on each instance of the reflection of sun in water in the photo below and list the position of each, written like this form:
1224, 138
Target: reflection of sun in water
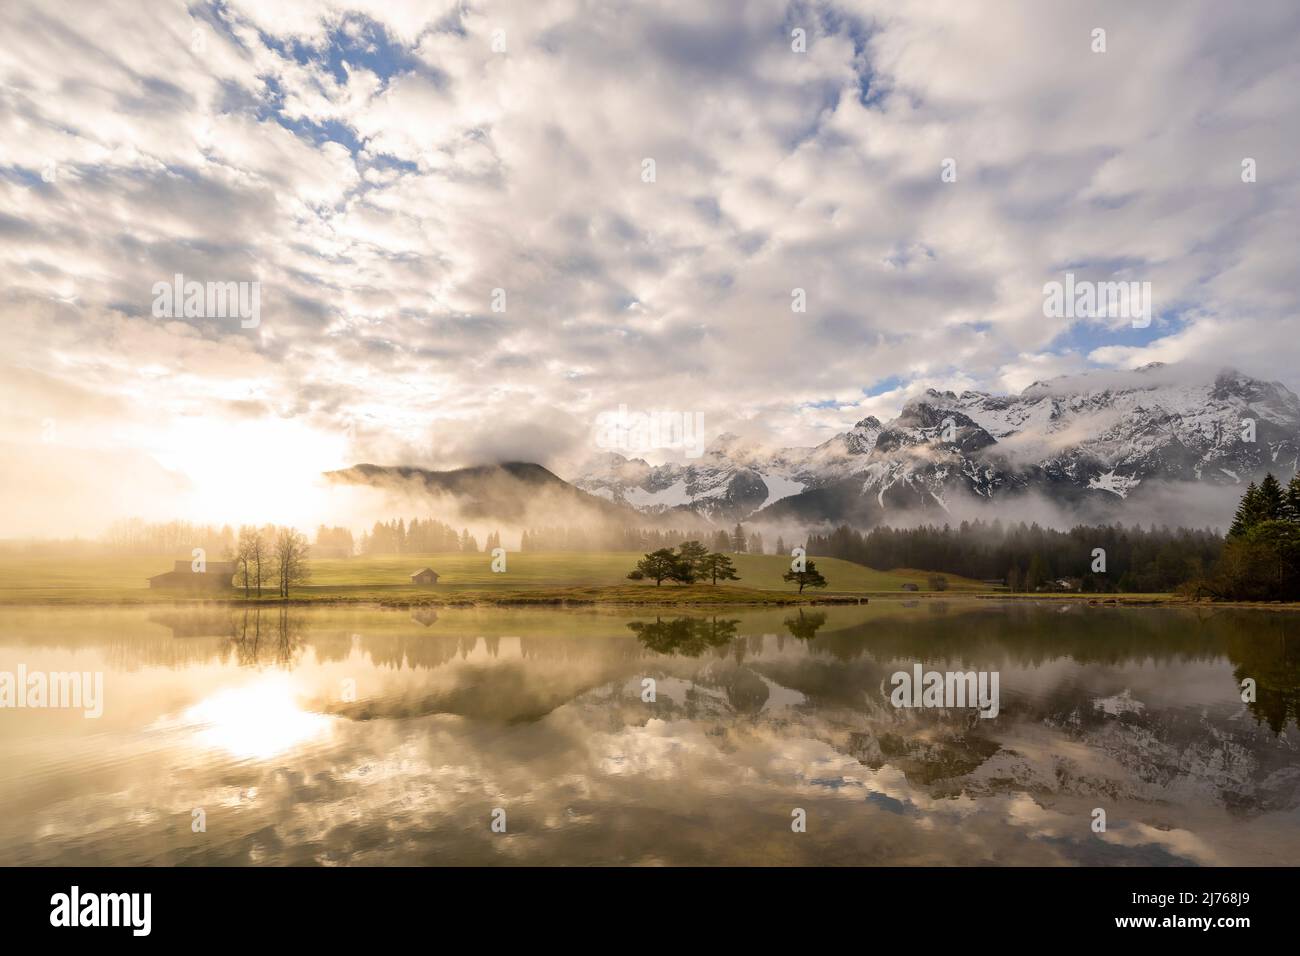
256, 720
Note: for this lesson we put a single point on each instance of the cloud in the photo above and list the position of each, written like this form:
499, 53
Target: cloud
382, 171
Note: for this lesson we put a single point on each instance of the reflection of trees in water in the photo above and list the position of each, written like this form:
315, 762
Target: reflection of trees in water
843, 655
1271, 657
1030, 635
805, 626
684, 636
746, 691
1264, 645
272, 635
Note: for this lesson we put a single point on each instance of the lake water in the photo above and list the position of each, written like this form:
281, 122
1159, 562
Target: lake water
365, 736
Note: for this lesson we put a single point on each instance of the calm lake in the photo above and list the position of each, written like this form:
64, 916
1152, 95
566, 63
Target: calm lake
366, 736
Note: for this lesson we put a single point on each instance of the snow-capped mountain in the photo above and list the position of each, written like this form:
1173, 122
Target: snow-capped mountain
733, 478
1093, 442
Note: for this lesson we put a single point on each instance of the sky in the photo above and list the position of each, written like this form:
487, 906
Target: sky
461, 257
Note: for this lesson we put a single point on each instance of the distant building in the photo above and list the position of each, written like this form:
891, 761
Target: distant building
218, 576
425, 576
1063, 584
909, 586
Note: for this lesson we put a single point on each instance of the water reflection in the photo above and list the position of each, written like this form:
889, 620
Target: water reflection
256, 720
687, 636
805, 624
242, 712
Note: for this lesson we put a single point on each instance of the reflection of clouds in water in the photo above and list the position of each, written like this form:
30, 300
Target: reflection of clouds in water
578, 790
551, 727
257, 720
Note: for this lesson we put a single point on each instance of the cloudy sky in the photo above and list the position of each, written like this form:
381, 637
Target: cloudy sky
380, 167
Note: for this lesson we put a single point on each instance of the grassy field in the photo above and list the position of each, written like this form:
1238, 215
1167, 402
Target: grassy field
530, 576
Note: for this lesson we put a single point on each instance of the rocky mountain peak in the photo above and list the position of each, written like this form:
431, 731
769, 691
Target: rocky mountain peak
1098, 438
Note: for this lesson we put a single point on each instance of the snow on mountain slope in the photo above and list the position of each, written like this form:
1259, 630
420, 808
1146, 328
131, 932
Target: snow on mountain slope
733, 478
1098, 437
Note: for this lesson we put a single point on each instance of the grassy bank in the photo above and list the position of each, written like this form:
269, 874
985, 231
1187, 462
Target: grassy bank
530, 578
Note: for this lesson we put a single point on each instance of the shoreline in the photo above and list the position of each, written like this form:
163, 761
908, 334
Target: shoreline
620, 598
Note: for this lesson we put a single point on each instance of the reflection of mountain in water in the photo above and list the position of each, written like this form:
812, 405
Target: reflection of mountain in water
819, 675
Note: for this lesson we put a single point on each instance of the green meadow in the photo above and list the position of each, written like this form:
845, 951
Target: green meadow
599, 577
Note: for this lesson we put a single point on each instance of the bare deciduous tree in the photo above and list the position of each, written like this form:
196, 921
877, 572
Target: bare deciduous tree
290, 557
251, 553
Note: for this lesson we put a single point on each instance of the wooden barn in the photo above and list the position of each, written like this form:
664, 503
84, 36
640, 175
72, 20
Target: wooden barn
218, 576
425, 576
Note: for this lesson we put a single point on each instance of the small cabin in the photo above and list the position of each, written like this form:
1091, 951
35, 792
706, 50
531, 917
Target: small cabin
425, 576
217, 576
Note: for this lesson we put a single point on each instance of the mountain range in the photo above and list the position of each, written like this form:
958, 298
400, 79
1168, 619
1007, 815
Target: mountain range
1098, 446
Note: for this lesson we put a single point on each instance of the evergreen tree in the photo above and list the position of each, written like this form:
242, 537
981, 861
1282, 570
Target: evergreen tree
780, 545
659, 566
1291, 500
1035, 575
810, 577
1248, 511
738, 539
692, 555
1270, 498
718, 567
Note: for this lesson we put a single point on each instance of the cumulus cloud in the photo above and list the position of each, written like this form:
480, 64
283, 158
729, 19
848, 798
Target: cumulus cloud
394, 173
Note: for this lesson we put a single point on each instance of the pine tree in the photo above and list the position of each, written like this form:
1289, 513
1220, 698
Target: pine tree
1035, 575
718, 567
692, 555
810, 577
1270, 498
659, 566
780, 545
1247, 515
738, 539
1291, 500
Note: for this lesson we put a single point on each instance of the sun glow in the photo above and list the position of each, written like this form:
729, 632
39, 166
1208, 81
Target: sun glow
257, 720
252, 472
